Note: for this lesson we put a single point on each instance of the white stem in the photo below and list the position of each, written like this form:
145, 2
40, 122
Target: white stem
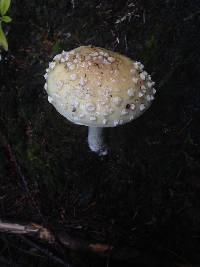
96, 140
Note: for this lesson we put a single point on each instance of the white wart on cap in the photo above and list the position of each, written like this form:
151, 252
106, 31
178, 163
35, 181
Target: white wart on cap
95, 87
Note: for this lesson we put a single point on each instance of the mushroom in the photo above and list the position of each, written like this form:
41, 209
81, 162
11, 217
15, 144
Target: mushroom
98, 88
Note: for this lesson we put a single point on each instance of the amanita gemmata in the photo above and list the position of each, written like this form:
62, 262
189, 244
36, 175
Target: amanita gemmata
98, 88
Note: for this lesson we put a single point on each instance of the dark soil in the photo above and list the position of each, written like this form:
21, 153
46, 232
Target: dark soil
143, 198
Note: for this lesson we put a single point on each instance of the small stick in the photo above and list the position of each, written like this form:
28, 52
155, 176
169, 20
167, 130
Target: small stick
42, 233
33, 230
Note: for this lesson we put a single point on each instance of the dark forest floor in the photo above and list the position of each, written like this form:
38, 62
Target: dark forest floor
145, 195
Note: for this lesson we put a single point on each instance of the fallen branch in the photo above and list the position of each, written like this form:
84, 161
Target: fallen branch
41, 233
44, 234
33, 230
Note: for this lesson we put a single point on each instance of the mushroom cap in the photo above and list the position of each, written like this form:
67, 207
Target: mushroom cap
93, 86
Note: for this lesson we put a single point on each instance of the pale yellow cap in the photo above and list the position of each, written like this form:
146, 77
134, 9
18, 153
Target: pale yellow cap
93, 86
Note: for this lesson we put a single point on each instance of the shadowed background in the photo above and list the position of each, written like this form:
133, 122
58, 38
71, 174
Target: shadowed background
145, 194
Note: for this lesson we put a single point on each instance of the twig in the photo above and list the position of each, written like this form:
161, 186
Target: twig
128, 15
169, 75
191, 16
185, 126
39, 232
44, 234
33, 230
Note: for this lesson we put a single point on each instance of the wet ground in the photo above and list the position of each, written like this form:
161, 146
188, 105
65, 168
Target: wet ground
143, 198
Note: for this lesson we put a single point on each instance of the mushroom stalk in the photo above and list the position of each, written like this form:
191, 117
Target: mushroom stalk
96, 140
